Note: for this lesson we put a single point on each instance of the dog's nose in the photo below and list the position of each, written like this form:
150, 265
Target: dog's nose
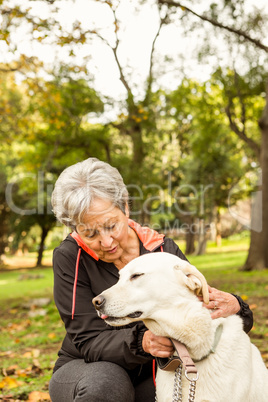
98, 302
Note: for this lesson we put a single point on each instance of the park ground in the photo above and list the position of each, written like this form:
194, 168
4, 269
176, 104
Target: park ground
31, 330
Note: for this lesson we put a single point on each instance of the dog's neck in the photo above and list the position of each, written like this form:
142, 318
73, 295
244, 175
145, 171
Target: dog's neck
195, 328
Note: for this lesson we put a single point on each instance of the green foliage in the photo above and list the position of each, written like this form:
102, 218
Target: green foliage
52, 134
213, 156
161, 141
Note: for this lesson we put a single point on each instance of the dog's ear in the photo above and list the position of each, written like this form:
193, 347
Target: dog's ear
194, 279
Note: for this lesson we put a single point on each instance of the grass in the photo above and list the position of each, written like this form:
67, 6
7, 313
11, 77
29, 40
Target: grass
30, 335
15, 284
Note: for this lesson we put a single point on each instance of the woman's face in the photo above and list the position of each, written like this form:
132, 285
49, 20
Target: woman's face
105, 230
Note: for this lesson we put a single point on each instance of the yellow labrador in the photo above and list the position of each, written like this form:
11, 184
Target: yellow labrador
160, 289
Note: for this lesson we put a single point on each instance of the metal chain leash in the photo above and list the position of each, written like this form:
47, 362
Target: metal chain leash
177, 389
191, 387
192, 391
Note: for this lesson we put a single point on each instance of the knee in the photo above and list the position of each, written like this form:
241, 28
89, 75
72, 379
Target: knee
110, 383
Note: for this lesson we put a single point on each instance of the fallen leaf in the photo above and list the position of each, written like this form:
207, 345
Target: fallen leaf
36, 371
253, 306
36, 363
21, 373
52, 335
31, 336
36, 396
27, 355
36, 353
9, 370
7, 353
13, 327
33, 353
10, 383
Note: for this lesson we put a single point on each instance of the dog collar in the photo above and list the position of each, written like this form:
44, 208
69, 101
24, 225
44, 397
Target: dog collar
217, 338
173, 362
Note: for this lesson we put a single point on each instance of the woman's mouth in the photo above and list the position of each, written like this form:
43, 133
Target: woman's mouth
113, 250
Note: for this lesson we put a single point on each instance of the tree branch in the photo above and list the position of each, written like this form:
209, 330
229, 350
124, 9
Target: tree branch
114, 50
241, 134
150, 75
242, 104
263, 122
238, 32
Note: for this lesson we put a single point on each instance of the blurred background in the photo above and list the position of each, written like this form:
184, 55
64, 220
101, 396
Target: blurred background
174, 95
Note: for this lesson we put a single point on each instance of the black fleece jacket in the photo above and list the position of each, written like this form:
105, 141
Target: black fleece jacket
88, 337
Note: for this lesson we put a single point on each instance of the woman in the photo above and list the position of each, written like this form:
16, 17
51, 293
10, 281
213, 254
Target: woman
97, 362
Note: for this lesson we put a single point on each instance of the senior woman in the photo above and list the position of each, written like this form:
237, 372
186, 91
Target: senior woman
97, 362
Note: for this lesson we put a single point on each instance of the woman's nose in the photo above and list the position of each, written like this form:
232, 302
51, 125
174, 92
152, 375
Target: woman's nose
106, 240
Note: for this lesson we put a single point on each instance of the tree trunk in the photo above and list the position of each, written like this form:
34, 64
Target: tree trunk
255, 258
138, 146
258, 251
190, 238
202, 239
264, 164
190, 246
42, 246
218, 228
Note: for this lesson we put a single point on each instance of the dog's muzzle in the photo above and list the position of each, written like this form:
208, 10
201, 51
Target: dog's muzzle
98, 302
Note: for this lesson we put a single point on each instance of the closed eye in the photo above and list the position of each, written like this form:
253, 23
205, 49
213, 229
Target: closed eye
135, 276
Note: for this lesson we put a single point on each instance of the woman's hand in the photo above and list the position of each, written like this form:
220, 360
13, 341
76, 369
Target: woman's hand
223, 304
158, 346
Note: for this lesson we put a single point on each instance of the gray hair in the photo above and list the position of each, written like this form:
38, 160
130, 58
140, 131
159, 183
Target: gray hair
79, 184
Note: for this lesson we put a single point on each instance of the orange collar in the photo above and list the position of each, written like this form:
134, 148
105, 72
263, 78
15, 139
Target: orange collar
149, 238
83, 245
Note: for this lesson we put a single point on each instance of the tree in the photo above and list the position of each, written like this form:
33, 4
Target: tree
11, 116
140, 125
137, 122
212, 163
54, 136
237, 28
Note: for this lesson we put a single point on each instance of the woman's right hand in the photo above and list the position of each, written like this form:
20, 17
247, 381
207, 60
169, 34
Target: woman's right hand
158, 346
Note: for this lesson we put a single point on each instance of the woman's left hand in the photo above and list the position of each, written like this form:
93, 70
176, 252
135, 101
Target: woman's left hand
221, 303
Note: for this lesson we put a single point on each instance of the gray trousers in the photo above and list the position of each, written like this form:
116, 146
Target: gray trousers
78, 381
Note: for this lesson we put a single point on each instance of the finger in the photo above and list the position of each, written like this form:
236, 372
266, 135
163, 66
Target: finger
216, 314
161, 340
211, 305
165, 342
213, 292
155, 348
161, 353
162, 348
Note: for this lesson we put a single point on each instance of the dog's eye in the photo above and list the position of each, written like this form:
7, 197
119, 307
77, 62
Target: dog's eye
135, 276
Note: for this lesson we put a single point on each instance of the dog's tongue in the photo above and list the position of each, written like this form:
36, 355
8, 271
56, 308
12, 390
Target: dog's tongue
104, 316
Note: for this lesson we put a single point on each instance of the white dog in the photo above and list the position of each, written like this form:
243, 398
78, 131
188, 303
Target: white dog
160, 289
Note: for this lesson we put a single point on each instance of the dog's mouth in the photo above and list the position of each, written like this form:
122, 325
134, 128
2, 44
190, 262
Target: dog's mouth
109, 318
136, 314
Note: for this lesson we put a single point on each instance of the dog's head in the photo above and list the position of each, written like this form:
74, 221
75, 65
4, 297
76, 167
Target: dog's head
147, 285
